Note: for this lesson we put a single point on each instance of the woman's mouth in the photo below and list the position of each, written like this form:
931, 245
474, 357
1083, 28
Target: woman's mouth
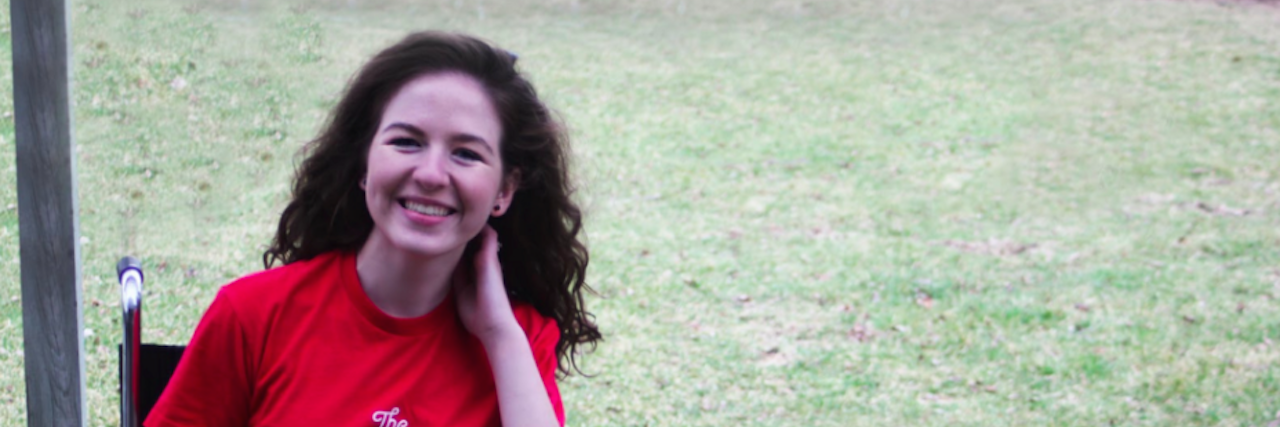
428, 210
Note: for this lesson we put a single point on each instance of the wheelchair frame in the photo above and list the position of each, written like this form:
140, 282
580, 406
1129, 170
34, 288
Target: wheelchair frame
129, 272
145, 369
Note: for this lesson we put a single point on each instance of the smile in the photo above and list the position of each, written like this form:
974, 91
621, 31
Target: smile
428, 210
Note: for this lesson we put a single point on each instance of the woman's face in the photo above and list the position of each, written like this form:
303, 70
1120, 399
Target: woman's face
434, 174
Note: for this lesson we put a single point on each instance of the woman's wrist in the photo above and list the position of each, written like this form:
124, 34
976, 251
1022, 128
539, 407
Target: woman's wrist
523, 399
504, 334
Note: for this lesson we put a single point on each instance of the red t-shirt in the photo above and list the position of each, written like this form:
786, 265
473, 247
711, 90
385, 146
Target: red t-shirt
302, 345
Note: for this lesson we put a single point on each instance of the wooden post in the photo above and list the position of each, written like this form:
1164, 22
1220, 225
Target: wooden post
51, 320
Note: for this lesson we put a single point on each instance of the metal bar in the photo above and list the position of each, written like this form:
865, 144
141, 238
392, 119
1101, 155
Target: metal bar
129, 271
53, 346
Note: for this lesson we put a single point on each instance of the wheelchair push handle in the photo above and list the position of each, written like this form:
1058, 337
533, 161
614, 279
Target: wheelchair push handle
128, 263
129, 271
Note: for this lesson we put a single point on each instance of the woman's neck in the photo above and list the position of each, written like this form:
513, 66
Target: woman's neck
400, 283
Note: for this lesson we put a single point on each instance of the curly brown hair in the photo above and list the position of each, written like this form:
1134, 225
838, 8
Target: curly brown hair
543, 259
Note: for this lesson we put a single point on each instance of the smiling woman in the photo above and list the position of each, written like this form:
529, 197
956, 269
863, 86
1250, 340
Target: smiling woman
394, 306
434, 175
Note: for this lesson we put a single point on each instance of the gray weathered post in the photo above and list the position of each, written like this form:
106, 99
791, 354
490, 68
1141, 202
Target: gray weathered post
51, 321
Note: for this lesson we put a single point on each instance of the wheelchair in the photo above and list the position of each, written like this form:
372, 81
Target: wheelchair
145, 369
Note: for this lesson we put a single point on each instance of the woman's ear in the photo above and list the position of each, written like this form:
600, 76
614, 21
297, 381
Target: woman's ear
507, 192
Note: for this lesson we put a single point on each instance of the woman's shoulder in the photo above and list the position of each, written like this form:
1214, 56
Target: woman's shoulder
280, 283
534, 323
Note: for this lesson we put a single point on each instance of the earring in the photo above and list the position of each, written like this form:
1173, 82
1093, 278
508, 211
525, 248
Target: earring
496, 207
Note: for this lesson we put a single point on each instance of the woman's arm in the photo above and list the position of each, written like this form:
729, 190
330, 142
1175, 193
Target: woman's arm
486, 312
212, 385
522, 397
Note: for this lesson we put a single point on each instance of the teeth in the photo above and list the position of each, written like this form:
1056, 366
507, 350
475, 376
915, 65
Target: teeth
426, 210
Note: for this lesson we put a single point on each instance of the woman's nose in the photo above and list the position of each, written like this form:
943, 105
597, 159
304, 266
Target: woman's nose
432, 171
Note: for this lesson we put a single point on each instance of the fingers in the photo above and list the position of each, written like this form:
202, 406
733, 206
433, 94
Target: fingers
488, 253
490, 238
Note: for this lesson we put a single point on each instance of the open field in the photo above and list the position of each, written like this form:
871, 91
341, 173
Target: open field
801, 213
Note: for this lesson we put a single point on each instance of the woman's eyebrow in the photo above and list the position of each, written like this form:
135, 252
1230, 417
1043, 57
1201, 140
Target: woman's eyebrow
405, 127
466, 137
458, 138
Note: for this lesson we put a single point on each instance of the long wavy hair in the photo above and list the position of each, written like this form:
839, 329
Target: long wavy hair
543, 260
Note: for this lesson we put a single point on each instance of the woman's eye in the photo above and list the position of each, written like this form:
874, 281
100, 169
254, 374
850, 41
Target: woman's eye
403, 142
468, 154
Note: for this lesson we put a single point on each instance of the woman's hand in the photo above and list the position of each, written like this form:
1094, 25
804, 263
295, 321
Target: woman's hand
481, 294
486, 312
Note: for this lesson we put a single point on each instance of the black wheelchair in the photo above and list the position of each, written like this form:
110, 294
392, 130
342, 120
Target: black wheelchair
145, 369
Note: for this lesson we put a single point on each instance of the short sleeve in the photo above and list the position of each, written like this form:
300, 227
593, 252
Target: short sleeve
543, 343
212, 385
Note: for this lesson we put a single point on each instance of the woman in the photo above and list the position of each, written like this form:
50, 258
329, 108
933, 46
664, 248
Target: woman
432, 272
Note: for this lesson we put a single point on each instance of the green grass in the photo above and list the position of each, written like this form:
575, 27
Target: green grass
821, 213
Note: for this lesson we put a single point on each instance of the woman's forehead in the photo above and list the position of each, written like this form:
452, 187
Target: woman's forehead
444, 102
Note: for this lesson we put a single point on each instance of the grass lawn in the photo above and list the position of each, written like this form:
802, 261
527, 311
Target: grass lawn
801, 213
